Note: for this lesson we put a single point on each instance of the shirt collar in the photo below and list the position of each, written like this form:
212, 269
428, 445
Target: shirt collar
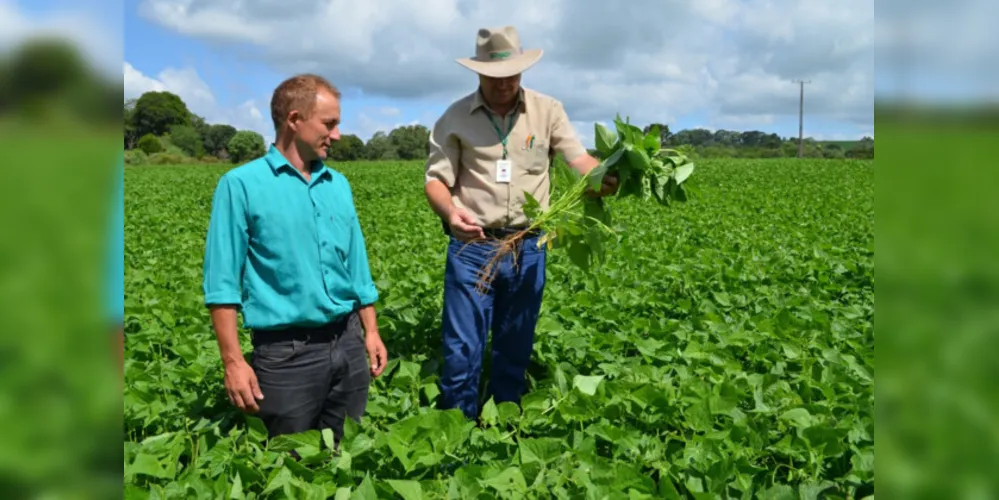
277, 161
479, 102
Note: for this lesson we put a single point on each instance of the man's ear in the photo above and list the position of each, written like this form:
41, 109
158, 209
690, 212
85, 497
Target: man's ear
294, 118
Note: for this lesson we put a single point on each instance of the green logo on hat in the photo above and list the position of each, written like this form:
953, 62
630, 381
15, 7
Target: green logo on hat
499, 55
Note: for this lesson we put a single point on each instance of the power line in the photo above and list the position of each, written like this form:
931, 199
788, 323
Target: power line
801, 118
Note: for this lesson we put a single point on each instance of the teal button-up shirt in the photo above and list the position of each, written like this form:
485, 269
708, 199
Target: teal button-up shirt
288, 251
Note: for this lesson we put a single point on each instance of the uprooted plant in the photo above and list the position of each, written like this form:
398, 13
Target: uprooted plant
580, 222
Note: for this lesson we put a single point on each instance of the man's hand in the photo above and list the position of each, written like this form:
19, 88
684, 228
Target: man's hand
608, 187
584, 165
464, 225
376, 352
241, 384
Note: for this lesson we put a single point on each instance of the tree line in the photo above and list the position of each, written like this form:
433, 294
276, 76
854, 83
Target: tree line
723, 143
160, 129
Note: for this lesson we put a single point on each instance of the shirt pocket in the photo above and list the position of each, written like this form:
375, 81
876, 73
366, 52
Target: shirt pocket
537, 157
335, 234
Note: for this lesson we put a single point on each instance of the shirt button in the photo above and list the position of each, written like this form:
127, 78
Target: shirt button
324, 243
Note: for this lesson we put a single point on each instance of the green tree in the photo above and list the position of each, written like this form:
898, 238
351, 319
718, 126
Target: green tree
410, 142
156, 112
832, 151
187, 138
380, 147
245, 145
728, 138
150, 144
771, 141
349, 148
201, 127
863, 149
217, 137
131, 137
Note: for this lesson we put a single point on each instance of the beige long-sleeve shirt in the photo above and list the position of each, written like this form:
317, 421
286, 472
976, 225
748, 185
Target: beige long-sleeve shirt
465, 148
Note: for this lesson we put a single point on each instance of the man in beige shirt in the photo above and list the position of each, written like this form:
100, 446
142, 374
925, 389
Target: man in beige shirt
486, 150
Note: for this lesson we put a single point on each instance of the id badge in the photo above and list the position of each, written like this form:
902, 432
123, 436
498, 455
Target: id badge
504, 171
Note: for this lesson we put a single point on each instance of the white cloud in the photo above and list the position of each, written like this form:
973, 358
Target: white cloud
199, 98
725, 61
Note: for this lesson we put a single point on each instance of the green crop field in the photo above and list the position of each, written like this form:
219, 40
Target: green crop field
725, 350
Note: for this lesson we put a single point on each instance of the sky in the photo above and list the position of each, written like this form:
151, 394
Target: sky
717, 64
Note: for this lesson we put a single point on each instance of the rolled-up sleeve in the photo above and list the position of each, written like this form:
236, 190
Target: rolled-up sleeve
442, 159
357, 260
226, 244
563, 135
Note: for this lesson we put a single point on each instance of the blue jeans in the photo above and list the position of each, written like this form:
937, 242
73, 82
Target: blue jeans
509, 307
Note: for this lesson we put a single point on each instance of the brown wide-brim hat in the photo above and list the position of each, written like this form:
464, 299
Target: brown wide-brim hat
498, 53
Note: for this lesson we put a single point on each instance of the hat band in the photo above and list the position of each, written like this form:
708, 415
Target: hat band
504, 54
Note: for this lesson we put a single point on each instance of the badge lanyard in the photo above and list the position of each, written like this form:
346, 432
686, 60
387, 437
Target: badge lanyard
499, 132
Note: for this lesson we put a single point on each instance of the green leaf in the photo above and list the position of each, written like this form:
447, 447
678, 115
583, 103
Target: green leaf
532, 208
280, 478
653, 140
799, 417
408, 490
604, 139
366, 490
508, 483
236, 493
683, 172
609, 164
540, 450
148, 465
587, 384
489, 414
305, 443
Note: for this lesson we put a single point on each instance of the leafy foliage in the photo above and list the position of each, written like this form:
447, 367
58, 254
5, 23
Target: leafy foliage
246, 145
156, 111
581, 223
150, 144
725, 350
644, 170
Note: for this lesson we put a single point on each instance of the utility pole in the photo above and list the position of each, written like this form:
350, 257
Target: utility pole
801, 118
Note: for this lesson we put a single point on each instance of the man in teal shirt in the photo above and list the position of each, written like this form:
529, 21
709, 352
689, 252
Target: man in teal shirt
285, 248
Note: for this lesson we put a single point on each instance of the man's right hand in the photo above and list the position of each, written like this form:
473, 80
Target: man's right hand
241, 384
464, 225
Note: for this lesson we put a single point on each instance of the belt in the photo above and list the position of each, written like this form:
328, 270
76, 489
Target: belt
322, 333
497, 232
503, 232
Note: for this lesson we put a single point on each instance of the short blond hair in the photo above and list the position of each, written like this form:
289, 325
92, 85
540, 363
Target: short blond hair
298, 93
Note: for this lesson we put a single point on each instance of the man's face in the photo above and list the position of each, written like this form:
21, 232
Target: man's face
316, 133
500, 90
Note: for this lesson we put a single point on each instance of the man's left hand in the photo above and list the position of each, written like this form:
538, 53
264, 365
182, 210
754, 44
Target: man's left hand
376, 352
608, 187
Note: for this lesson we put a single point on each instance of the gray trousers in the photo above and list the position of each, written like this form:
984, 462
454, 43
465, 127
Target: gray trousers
312, 378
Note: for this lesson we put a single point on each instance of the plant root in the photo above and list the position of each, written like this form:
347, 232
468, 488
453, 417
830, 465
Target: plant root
509, 245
